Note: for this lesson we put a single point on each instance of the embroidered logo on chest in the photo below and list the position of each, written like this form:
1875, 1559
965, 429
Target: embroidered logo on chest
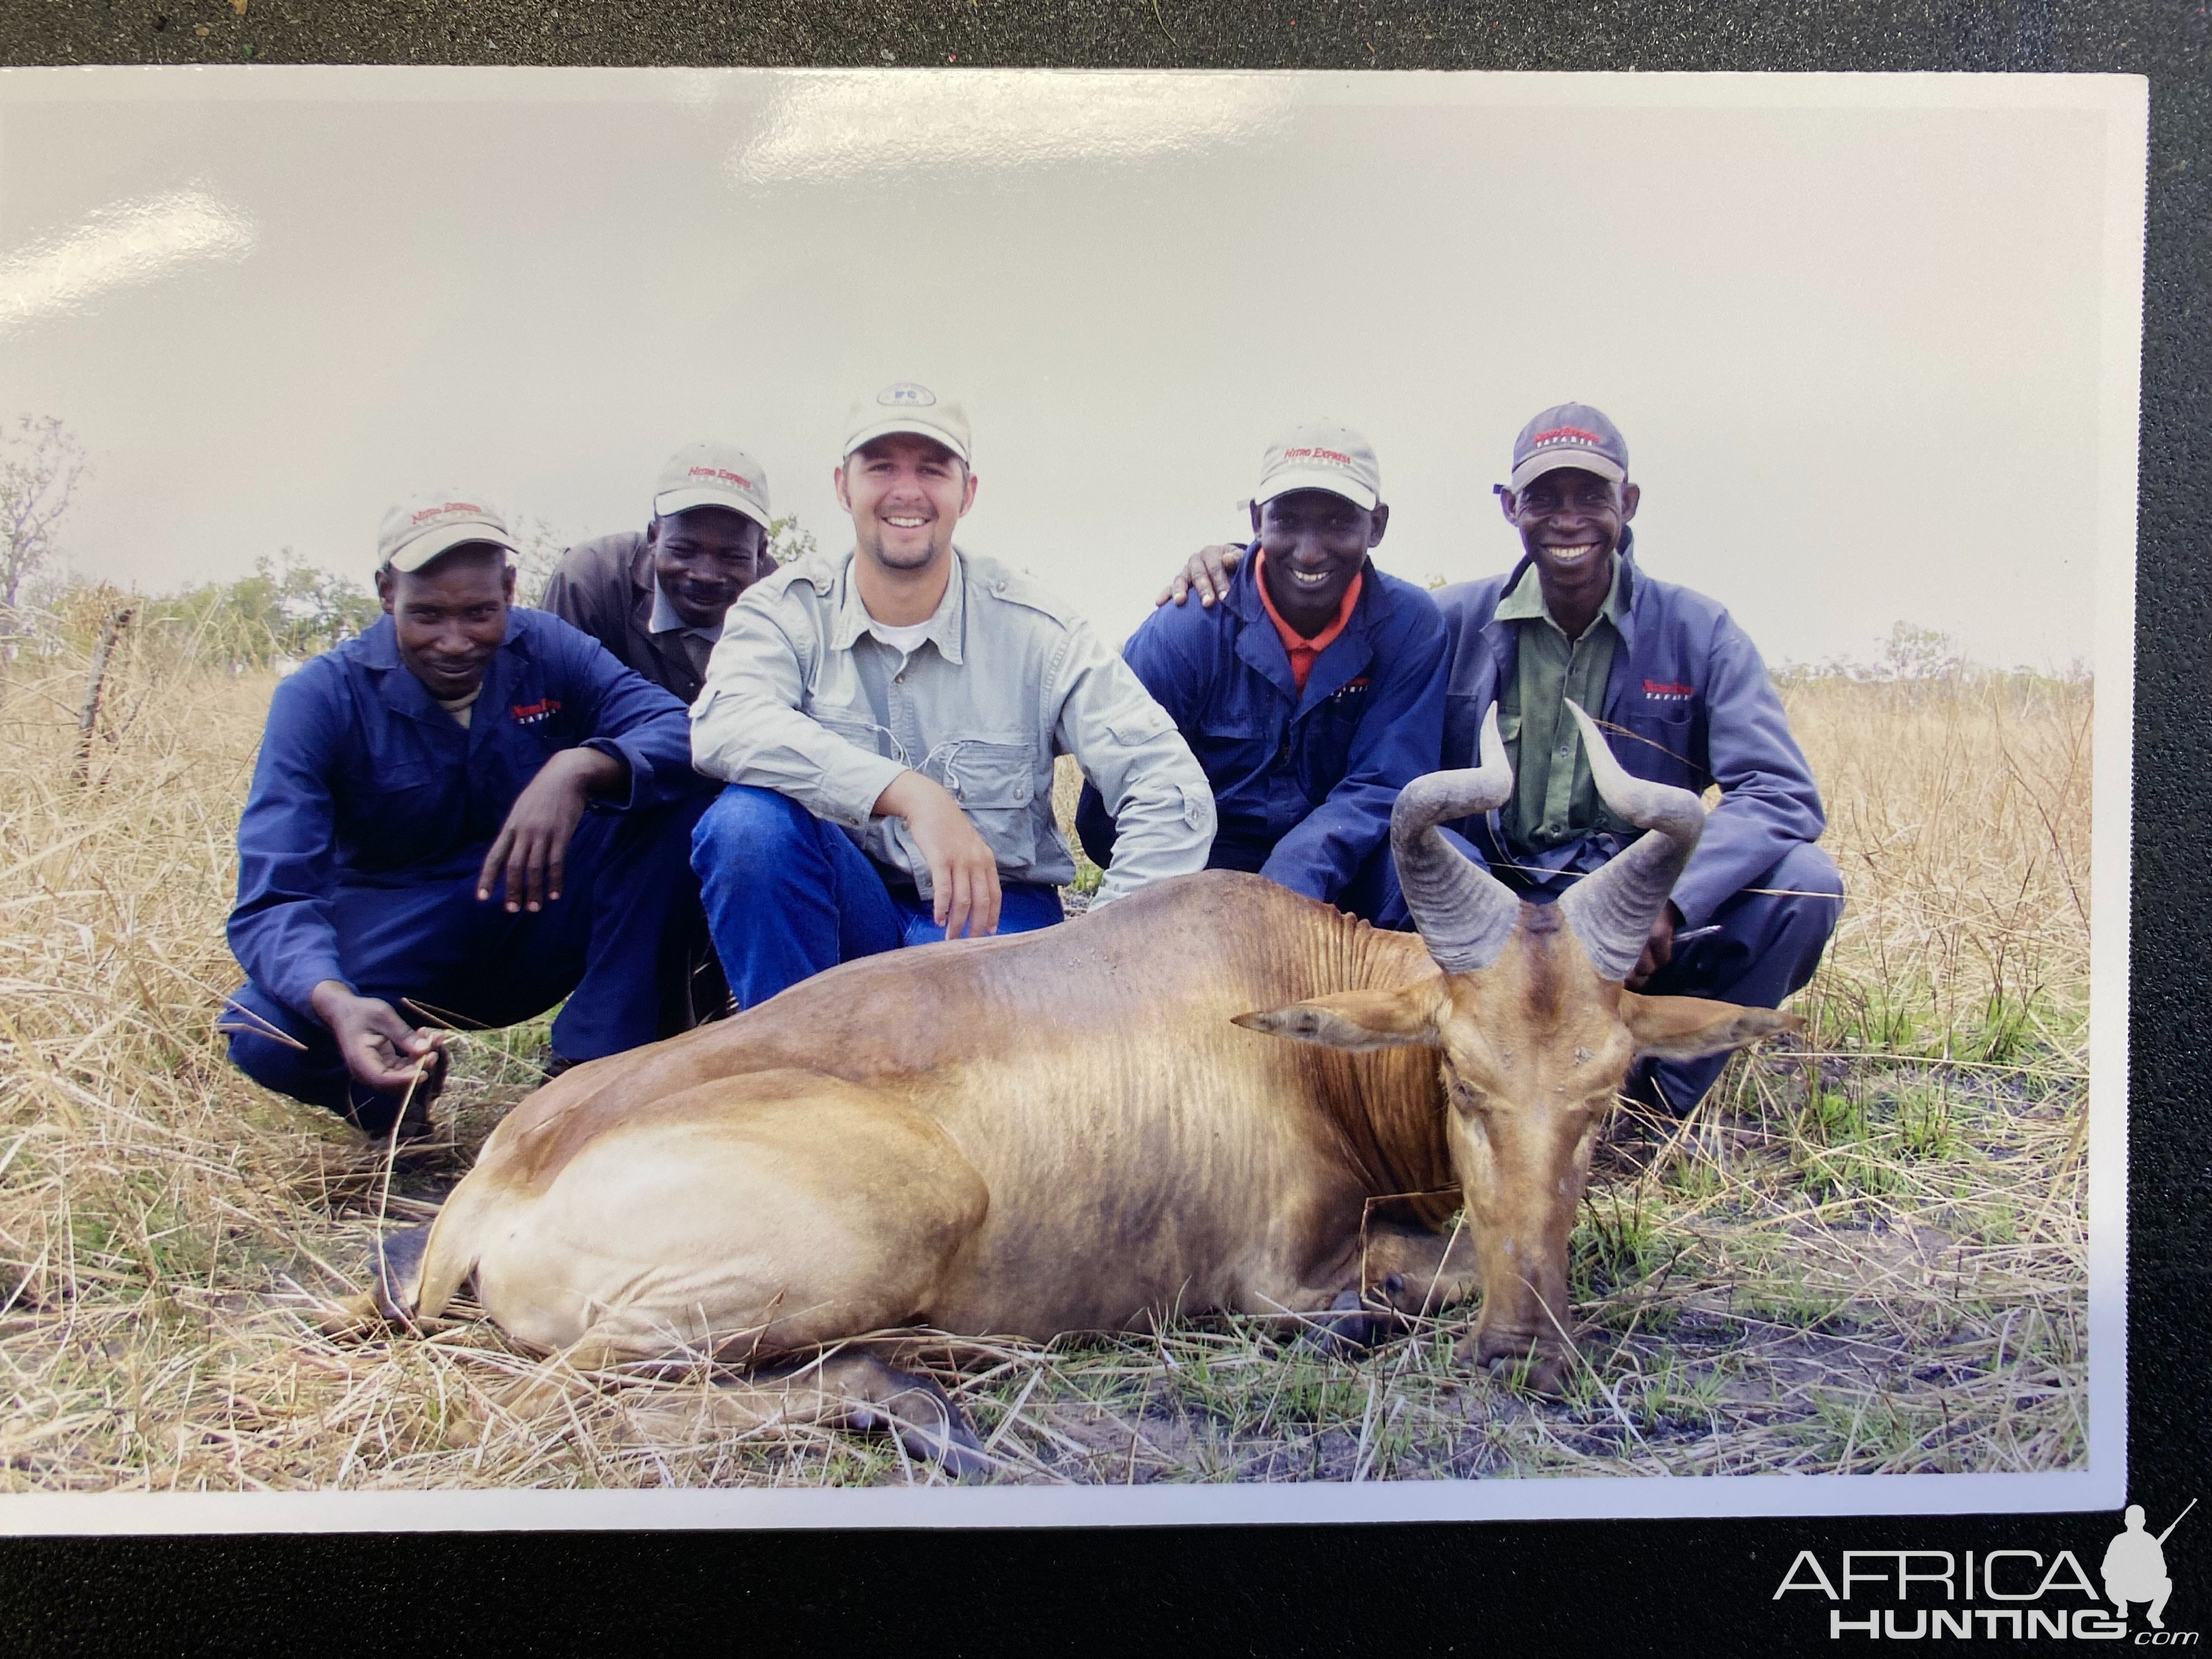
529, 713
1668, 691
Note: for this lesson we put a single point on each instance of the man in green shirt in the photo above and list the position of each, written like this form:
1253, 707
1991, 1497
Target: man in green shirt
1684, 699
1552, 804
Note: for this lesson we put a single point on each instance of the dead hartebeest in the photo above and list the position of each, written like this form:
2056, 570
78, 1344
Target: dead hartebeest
1084, 1127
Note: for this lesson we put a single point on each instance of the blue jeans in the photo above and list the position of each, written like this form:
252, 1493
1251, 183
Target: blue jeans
1768, 946
611, 943
788, 895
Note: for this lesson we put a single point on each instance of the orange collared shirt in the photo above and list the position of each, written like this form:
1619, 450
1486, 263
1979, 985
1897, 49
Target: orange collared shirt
1304, 651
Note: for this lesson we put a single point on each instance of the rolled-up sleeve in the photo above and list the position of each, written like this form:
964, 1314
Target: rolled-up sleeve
1147, 777
283, 929
747, 728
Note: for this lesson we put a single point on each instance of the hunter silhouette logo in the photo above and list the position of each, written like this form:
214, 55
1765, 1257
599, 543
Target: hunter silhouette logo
2135, 1565
2012, 1593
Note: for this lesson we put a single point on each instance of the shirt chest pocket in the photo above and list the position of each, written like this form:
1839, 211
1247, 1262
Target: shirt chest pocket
1668, 740
392, 813
994, 780
1509, 733
1324, 750
525, 746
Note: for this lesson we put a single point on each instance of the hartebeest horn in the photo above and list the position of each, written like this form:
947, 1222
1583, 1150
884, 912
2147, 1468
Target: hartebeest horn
1611, 912
1464, 913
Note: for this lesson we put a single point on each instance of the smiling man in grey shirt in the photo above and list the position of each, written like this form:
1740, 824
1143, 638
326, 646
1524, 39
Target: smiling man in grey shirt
887, 724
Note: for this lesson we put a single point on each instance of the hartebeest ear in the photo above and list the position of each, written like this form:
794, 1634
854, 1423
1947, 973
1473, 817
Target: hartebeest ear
1357, 1020
1690, 1028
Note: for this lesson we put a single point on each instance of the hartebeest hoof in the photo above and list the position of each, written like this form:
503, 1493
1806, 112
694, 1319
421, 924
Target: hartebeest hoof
1351, 1327
1515, 1361
926, 1422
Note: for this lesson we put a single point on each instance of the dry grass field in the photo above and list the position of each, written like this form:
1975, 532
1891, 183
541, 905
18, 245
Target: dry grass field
1865, 1252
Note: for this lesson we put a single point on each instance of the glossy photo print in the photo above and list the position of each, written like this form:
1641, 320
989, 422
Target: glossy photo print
978, 798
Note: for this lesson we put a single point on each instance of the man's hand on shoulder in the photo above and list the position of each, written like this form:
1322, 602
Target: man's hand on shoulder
1207, 575
962, 870
381, 1050
531, 850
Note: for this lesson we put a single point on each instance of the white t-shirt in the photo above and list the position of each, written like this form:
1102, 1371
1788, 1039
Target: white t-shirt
901, 640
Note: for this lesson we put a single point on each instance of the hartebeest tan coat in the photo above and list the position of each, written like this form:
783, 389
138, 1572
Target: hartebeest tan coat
1088, 1127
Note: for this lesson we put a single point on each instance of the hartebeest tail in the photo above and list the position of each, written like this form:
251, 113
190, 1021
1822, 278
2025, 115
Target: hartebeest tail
454, 1247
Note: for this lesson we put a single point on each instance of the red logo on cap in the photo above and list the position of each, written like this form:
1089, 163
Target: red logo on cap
737, 478
1561, 434
450, 507
1331, 455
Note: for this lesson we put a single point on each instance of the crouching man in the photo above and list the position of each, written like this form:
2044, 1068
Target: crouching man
1312, 694
1685, 699
656, 599
467, 814
887, 723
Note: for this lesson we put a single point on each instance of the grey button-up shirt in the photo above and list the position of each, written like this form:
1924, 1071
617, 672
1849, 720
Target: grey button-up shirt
803, 699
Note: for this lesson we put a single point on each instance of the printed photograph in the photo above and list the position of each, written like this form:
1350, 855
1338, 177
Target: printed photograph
1373, 790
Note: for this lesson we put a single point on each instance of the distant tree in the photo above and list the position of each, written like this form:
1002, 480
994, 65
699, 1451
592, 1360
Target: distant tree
287, 608
40, 463
1912, 652
787, 539
541, 547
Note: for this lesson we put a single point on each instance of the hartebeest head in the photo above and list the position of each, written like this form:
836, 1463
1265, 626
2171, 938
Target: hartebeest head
1535, 1032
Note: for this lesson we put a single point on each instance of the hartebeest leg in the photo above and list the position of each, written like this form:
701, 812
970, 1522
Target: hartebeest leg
845, 1390
1403, 1271
1419, 1272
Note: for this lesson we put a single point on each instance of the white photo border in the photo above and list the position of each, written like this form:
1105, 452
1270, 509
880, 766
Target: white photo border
2123, 102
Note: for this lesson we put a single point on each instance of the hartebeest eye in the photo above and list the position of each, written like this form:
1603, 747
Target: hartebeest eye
1466, 1099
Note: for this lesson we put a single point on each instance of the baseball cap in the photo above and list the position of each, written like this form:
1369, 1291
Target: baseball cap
712, 474
908, 407
436, 521
1570, 435
1320, 455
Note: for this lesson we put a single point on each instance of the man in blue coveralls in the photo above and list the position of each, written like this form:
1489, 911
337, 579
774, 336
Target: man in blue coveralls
1686, 701
1312, 694
417, 835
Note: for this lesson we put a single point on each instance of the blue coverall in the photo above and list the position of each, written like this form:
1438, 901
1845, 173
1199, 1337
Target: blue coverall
1694, 707
1303, 782
369, 816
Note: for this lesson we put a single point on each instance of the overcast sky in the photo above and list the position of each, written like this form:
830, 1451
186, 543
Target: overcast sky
1853, 341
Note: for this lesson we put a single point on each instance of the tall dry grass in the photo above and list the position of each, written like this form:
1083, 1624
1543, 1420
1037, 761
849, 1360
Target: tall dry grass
1864, 1253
